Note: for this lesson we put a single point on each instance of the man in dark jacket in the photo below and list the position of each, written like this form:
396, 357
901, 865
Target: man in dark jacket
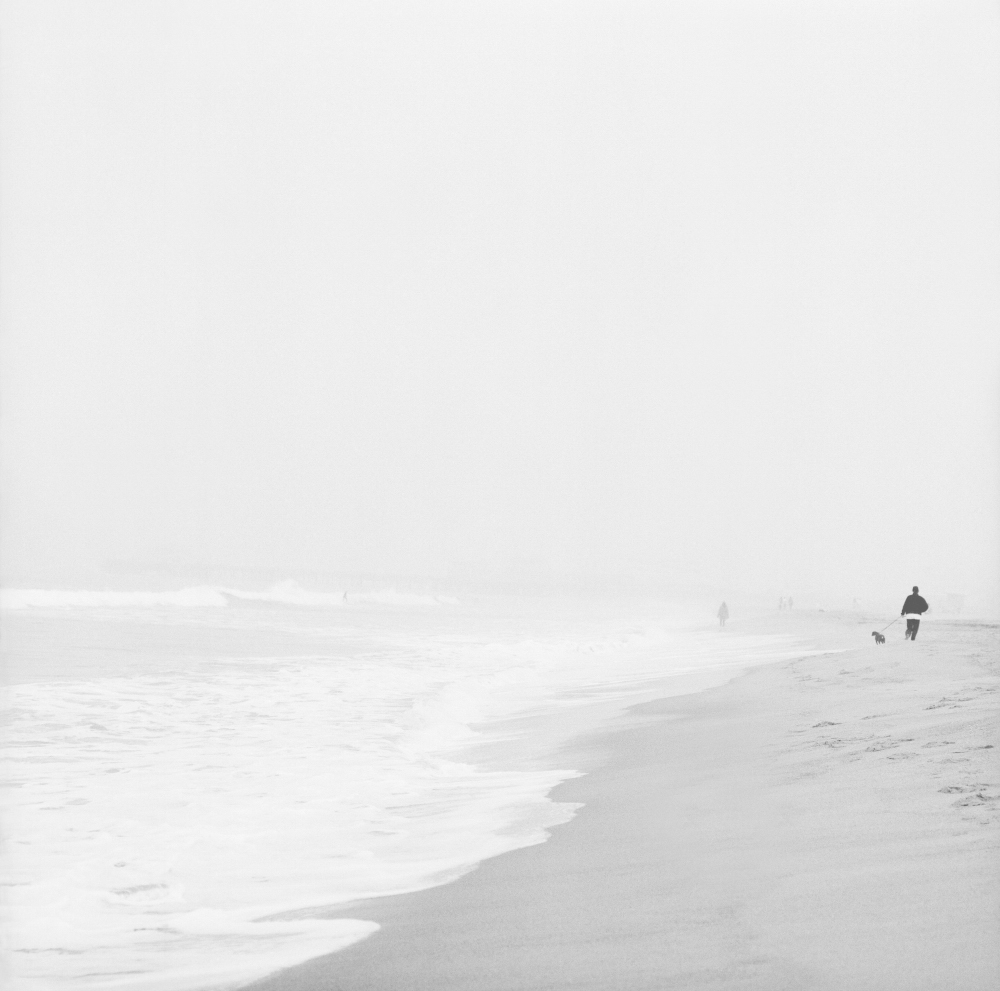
913, 608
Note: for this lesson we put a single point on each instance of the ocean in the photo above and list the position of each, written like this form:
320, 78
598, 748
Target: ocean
190, 777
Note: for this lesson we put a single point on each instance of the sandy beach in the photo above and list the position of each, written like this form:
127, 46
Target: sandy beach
831, 823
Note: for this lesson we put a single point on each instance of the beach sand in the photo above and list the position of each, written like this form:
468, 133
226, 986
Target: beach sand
829, 823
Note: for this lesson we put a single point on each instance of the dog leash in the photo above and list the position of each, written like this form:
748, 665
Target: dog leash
896, 620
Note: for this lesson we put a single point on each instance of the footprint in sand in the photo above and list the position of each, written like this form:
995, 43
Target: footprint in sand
976, 794
888, 744
881, 745
978, 798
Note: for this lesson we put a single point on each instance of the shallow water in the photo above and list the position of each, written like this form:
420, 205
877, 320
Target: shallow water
185, 778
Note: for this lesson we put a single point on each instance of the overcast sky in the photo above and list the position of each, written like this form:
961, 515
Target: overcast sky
705, 292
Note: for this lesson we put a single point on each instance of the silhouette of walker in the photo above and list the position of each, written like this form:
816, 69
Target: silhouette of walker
723, 614
913, 608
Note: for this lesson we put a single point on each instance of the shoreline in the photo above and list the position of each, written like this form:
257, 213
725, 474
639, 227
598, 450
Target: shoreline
826, 822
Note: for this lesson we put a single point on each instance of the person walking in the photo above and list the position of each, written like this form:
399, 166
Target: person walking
913, 608
723, 614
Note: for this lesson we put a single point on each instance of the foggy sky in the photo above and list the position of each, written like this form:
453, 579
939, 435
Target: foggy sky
700, 293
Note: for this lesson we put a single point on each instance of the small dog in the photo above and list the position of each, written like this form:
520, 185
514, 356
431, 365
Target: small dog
878, 636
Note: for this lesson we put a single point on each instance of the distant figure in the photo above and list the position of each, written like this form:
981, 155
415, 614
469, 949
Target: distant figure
789, 602
723, 614
913, 608
781, 603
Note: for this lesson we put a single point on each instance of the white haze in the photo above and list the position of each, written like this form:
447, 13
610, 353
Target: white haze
659, 295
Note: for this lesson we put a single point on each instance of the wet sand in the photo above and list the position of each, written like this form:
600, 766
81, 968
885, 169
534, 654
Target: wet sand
827, 823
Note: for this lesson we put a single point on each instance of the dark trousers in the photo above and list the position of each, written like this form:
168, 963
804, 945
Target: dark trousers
912, 625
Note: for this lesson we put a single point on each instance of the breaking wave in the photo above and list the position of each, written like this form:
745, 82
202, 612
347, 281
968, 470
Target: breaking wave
286, 593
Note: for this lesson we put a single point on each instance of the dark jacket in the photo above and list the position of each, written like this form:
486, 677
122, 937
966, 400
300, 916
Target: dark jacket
915, 603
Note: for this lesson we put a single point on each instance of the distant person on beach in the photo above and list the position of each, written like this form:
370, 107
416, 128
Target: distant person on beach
913, 608
723, 614
789, 602
781, 603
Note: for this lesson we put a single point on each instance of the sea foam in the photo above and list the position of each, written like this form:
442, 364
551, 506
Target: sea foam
181, 825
